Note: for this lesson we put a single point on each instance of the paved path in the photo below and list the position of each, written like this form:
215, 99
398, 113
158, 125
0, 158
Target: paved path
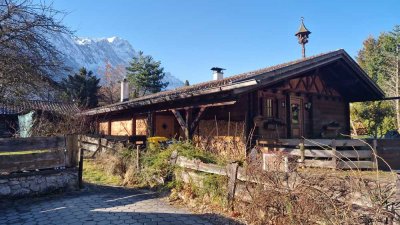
99, 206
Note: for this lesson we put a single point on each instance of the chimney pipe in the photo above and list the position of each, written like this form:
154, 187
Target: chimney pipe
218, 73
124, 90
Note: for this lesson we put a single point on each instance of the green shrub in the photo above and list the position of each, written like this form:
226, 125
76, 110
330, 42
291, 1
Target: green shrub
155, 166
214, 187
188, 150
155, 161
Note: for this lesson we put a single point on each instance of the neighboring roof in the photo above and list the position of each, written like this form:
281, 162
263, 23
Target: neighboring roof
36, 105
237, 81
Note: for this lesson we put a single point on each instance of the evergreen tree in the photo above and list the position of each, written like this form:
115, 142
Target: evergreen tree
146, 74
378, 59
187, 83
82, 88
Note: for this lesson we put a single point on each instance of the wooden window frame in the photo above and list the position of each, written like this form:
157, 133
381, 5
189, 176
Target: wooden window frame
268, 107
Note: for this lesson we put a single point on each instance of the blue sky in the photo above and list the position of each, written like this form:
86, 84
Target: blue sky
191, 36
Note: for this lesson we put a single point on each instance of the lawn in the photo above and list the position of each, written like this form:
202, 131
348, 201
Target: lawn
24, 152
93, 173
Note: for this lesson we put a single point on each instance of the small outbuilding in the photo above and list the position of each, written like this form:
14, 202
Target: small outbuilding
19, 119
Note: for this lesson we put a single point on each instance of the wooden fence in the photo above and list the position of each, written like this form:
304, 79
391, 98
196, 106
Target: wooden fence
36, 153
93, 144
239, 179
389, 154
325, 153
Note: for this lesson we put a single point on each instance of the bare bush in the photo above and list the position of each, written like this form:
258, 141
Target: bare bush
319, 196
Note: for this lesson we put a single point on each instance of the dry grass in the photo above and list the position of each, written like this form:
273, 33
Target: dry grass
307, 195
94, 173
319, 196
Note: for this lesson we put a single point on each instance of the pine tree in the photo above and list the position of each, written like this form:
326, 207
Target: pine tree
146, 74
187, 83
82, 88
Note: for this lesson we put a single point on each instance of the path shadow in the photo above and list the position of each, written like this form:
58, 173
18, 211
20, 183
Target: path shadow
103, 205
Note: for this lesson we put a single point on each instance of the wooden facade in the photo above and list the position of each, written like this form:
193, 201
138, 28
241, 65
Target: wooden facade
306, 98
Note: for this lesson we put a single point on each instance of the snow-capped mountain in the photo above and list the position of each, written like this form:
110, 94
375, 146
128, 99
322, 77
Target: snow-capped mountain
93, 53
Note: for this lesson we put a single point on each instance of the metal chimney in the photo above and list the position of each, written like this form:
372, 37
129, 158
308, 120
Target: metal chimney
124, 90
218, 73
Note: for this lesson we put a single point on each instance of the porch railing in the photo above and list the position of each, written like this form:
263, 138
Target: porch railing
325, 153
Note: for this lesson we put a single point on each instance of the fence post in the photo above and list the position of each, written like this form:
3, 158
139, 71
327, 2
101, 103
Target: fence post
334, 154
72, 150
232, 170
80, 169
302, 151
374, 157
137, 158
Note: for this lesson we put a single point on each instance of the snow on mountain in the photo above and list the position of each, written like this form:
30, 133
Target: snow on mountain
93, 53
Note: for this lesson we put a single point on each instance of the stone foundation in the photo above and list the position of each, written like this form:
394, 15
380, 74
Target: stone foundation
38, 183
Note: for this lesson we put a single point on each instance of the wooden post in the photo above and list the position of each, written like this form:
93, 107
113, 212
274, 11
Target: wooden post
334, 154
72, 151
150, 124
374, 157
137, 158
133, 126
249, 122
109, 127
347, 117
188, 118
288, 118
98, 148
232, 170
80, 169
311, 117
302, 151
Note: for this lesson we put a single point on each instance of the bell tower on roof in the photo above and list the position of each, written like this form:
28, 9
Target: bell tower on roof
302, 36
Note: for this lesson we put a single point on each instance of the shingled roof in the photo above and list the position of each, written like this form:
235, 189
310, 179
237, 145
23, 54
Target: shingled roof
36, 105
205, 87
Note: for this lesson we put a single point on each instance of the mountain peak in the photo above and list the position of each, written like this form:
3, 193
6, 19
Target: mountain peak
93, 53
112, 39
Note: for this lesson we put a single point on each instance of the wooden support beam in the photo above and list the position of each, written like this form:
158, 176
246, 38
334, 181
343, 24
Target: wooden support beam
188, 120
288, 118
133, 126
202, 106
180, 120
196, 120
150, 124
109, 127
347, 118
311, 117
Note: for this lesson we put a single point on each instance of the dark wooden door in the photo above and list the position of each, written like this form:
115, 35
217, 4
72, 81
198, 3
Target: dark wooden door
296, 117
165, 126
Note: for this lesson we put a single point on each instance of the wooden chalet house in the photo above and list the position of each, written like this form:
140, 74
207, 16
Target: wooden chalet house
304, 98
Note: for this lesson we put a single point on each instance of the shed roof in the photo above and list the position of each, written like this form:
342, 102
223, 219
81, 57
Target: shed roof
264, 76
36, 105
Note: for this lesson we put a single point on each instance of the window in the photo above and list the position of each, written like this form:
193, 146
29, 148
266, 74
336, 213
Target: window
268, 109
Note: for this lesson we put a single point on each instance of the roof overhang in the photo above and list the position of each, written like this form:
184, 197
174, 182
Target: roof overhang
340, 70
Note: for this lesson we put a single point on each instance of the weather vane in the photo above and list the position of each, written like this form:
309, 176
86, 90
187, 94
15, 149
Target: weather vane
302, 36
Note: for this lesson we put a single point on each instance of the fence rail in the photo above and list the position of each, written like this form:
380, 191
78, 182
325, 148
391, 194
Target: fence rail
96, 143
325, 153
25, 154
